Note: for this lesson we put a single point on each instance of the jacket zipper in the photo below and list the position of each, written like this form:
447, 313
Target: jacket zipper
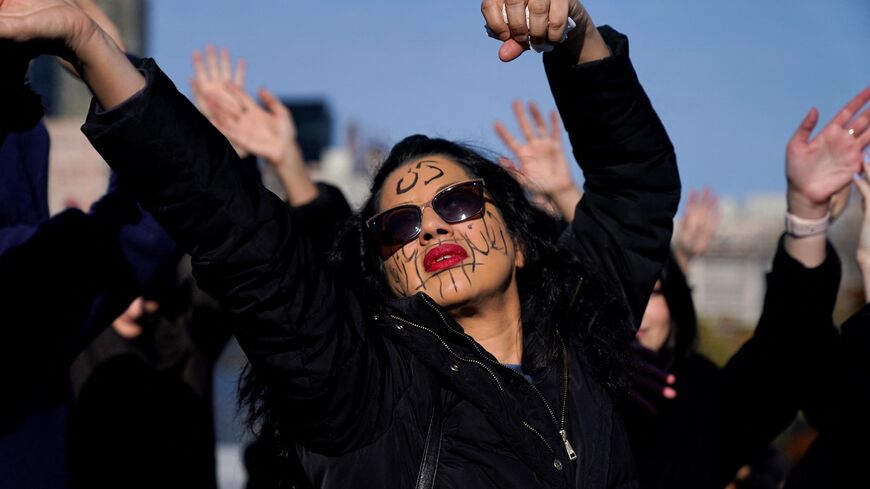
452, 353
563, 434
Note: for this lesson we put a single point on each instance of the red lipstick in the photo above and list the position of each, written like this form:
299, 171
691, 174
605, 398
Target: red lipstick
443, 256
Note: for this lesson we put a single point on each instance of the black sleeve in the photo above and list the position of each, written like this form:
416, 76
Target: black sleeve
623, 223
765, 382
51, 285
22, 107
303, 330
323, 217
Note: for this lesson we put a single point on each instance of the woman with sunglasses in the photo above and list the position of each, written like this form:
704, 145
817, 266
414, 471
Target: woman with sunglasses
458, 343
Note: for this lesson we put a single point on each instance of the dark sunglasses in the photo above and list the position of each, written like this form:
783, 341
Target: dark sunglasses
456, 203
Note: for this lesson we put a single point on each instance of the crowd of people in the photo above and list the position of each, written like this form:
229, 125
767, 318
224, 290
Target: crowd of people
478, 322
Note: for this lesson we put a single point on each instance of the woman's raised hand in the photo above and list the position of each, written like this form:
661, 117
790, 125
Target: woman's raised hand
819, 167
547, 21
863, 251
697, 227
266, 131
60, 26
541, 166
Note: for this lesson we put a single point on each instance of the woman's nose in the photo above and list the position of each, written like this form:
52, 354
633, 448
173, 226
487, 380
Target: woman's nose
433, 226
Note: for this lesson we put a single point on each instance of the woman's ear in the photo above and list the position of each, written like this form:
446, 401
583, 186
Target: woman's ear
519, 255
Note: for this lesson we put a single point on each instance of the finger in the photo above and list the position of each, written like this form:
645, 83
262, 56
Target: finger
845, 115
222, 105
514, 169
523, 121
859, 125
516, 19
511, 50
492, 13
646, 405
691, 201
557, 22
863, 185
225, 65
196, 92
802, 134
211, 63
246, 103
507, 138
555, 126
507, 163
539, 119
539, 13
241, 72
272, 103
198, 67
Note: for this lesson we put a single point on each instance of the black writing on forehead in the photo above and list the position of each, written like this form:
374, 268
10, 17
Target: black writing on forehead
429, 170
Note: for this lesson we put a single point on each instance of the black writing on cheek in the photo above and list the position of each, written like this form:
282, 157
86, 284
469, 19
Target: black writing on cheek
453, 280
399, 275
494, 231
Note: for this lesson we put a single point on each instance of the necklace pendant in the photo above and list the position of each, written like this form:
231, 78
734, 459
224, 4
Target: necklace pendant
572, 455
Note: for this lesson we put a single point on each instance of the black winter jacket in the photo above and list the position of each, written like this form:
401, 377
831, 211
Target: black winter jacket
359, 388
724, 418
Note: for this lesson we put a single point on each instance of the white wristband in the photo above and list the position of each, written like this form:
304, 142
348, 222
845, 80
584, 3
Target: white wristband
800, 227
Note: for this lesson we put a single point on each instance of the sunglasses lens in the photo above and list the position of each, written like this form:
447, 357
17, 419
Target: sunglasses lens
459, 204
398, 226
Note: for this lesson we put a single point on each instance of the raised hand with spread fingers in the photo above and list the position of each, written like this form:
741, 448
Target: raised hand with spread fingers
540, 166
697, 227
819, 167
266, 131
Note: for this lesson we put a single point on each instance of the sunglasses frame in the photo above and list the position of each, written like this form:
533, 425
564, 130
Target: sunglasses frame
476, 182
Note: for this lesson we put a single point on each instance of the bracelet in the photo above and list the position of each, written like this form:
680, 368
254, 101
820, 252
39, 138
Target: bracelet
800, 227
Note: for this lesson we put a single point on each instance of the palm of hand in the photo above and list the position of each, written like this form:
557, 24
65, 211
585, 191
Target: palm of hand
543, 163
263, 133
699, 223
821, 167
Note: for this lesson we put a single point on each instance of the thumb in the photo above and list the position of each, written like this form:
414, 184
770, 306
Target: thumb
271, 102
863, 185
802, 134
510, 50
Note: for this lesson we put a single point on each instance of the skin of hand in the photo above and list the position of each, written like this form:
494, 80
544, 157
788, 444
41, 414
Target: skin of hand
542, 168
213, 76
61, 28
819, 167
547, 22
862, 255
839, 202
266, 131
697, 227
99, 16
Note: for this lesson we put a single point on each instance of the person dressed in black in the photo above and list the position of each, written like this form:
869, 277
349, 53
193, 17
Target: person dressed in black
691, 423
467, 340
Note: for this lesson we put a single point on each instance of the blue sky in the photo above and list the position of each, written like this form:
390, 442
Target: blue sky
731, 81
